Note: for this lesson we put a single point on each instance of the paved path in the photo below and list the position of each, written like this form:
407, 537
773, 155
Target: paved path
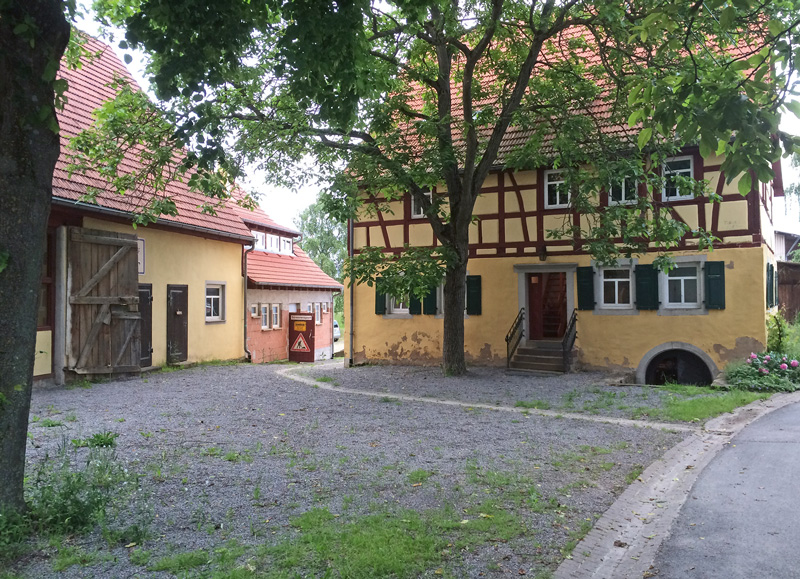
625, 542
742, 518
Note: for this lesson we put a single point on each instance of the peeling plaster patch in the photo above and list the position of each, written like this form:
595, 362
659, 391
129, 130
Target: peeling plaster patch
744, 345
485, 357
417, 337
360, 357
729, 265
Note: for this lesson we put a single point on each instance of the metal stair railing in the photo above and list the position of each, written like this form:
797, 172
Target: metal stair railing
568, 341
514, 336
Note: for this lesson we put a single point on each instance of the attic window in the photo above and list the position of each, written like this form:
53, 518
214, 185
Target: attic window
286, 245
260, 239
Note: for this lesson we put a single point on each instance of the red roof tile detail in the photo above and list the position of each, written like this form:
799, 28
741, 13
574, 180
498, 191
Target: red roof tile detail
88, 90
298, 270
261, 220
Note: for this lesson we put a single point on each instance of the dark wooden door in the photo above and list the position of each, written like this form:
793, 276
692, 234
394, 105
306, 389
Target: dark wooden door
146, 311
177, 323
547, 305
103, 305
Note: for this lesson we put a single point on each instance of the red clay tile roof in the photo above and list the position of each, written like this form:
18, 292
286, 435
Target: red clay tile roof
298, 270
87, 91
261, 220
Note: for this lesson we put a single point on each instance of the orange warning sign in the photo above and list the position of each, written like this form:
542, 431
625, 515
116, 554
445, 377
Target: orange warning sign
299, 326
300, 344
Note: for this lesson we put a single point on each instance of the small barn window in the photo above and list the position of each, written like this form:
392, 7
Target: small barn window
215, 302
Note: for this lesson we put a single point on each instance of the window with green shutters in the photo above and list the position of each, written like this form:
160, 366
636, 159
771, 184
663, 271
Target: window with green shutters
715, 285
585, 280
429, 302
772, 286
473, 295
646, 287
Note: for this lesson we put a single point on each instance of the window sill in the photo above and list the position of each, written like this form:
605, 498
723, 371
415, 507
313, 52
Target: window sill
699, 311
215, 321
616, 311
398, 317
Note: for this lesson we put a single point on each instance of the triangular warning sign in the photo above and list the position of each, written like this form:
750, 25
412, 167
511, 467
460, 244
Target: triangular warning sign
300, 344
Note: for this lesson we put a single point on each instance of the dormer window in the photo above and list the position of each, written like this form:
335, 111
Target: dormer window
286, 245
260, 239
273, 243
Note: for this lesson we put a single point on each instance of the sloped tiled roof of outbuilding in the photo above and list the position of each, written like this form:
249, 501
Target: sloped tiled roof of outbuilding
257, 218
88, 90
298, 270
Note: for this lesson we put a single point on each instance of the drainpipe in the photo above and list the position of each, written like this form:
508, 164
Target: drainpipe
246, 306
352, 288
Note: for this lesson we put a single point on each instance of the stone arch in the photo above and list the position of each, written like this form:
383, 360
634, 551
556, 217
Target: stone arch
659, 352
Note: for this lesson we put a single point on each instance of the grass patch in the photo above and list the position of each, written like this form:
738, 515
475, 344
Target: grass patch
709, 406
325, 379
50, 423
70, 556
98, 440
419, 476
400, 545
538, 404
635, 473
180, 561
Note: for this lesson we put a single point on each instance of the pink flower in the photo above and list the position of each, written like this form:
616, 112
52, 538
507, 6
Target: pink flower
767, 358
784, 367
784, 358
753, 356
749, 361
795, 363
764, 371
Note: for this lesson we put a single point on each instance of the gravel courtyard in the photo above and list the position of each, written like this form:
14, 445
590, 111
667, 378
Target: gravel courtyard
245, 468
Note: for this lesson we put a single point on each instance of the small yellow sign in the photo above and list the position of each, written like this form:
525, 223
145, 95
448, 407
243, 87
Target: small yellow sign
299, 326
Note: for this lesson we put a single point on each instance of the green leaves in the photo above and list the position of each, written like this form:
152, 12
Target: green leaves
644, 137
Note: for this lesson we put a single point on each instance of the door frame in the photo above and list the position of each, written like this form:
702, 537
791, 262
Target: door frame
149, 288
522, 271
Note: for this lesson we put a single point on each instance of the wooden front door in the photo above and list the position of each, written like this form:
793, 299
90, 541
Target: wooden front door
177, 323
547, 305
146, 311
103, 307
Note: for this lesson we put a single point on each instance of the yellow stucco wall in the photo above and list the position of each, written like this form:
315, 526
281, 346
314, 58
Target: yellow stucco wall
42, 364
175, 258
604, 341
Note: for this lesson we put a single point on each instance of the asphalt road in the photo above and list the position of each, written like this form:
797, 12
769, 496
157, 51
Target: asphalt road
742, 518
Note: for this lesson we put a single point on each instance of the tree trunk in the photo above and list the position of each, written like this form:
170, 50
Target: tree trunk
29, 150
455, 290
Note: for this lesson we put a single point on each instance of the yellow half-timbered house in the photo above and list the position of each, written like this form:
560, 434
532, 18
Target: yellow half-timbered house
565, 310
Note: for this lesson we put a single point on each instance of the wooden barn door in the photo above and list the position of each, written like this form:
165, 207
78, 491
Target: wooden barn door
103, 310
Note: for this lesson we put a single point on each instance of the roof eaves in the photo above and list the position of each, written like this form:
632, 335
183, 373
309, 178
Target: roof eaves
90, 208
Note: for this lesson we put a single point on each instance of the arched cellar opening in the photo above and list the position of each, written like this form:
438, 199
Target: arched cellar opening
678, 366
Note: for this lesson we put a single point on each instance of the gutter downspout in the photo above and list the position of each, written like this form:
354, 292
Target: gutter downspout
352, 290
246, 308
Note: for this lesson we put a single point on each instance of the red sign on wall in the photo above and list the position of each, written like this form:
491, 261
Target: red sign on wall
301, 337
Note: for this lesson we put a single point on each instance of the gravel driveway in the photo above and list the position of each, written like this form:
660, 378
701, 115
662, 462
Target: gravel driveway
231, 455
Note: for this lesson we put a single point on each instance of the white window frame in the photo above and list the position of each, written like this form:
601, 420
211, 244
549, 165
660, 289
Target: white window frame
664, 278
253, 310
211, 298
416, 209
629, 189
616, 281
395, 306
324, 307
286, 245
317, 313
550, 180
273, 244
309, 307
260, 239
681, 172
265, 317
276, 315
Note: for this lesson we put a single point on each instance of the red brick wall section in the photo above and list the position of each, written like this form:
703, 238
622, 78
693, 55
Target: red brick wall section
268, 345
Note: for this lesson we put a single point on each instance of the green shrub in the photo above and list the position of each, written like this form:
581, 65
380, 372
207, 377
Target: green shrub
765, 372
777, 332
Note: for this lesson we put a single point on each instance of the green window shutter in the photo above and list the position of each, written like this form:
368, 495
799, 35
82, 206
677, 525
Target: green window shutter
646, 287
473, 295
715, 285
585, 278
429, 303
380, 302
769, 285
414, 305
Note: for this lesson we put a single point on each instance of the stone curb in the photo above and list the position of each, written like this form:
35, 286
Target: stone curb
623, 544
290, 373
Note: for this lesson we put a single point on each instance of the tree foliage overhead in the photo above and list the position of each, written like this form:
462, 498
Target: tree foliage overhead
412, 95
